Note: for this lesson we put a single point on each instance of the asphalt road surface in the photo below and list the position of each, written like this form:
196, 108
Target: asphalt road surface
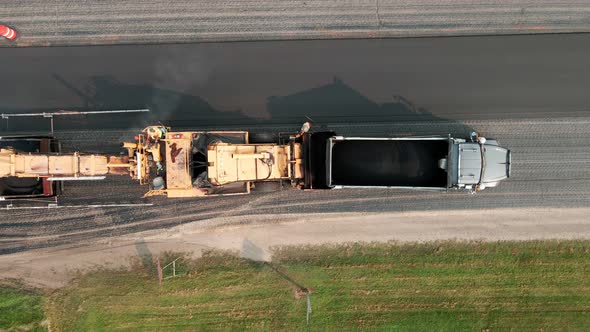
246, 83
529, 92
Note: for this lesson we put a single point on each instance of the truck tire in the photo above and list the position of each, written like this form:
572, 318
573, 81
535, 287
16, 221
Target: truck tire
262, 138
20, 186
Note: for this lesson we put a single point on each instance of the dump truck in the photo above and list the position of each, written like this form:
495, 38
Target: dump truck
423, 163
212, 163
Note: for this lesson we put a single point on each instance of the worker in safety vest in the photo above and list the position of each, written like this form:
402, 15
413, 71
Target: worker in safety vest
152, 143
155, 133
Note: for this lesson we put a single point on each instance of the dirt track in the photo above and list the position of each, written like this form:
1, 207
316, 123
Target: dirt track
54, 267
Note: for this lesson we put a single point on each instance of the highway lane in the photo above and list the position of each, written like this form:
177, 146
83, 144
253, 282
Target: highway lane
63, 22
549, 170
549, 133
282, 82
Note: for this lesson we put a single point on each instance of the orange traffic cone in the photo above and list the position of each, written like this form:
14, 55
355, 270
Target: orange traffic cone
7, 32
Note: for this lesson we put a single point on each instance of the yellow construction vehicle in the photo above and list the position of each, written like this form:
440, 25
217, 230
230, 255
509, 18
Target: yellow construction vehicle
205, 163
176, 164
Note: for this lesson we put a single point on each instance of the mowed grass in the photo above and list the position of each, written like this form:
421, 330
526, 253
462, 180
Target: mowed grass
21, 310
445, 286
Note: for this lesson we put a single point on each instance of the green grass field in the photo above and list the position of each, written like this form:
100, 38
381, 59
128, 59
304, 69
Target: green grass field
20, 310
418, 287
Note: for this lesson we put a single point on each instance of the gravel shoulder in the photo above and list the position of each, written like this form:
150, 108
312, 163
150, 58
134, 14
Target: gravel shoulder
63, 22
56, 266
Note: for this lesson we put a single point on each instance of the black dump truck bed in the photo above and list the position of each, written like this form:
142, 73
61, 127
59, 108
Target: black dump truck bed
387, 162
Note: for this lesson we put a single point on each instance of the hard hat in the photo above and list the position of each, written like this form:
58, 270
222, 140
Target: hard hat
158, 183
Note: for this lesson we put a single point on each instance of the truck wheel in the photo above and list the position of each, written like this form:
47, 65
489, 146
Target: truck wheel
20, 186
266, 187
261, 138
